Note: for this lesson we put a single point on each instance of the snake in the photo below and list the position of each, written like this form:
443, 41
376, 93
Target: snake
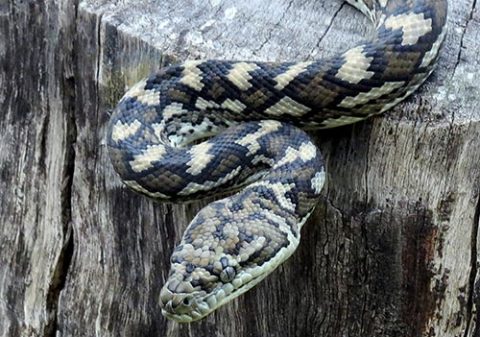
238, 130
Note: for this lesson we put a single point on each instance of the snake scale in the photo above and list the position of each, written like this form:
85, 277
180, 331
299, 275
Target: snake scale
207, 127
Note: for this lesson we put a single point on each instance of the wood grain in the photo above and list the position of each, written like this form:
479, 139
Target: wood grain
390, 251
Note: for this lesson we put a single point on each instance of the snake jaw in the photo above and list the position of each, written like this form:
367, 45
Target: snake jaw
189, 307
180, 306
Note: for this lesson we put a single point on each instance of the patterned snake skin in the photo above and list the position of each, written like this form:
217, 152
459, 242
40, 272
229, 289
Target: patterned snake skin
254, 113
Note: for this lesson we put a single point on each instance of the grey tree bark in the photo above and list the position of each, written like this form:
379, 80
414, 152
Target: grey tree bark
392, 249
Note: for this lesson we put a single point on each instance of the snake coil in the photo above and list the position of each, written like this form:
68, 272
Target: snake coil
254, 113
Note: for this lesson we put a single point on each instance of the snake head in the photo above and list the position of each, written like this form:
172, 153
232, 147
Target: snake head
219, 259
193, 290
196, 287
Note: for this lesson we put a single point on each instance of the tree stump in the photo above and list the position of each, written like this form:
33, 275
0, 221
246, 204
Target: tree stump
391, 249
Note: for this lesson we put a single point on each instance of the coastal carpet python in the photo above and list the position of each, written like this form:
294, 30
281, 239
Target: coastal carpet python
205, 127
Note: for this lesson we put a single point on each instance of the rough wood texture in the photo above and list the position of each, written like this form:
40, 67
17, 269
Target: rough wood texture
390, 251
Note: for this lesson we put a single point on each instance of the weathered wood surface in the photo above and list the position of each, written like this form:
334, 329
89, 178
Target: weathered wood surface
390, 251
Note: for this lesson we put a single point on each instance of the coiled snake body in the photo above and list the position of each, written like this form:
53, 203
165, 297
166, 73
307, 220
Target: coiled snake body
255, 112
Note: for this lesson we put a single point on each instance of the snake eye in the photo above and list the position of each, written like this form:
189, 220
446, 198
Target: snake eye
228, 274
187, 301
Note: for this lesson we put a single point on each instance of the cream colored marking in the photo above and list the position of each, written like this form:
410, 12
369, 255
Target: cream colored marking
136, 90
122, 131
139, 188
208, 185
414, 26
173, 109
432, 53
390, 105
306, 152
203, 130
147, 97
233, 105
249, 248
287, 106
203, 104
150, 97
291, 155
419, 78
317, 182
239, 75
158, 129
355, 68
364, 97
200, 158
251, 140
144, 161
342, 120
262, 159
280, 191
293, 71
192, 75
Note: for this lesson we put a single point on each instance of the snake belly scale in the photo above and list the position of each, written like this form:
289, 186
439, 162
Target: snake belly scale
205, 127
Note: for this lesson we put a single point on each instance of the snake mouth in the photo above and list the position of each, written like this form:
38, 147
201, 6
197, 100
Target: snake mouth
193, 306
183, 307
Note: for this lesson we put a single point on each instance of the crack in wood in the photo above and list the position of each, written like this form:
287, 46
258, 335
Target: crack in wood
462, 36
329, 27
61, 268
57, 283
275, 26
